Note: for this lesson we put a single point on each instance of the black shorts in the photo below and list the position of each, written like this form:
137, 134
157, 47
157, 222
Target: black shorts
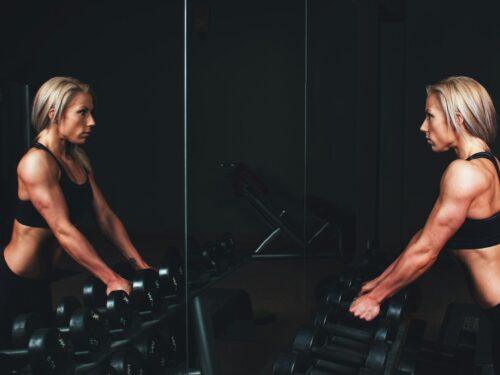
493, 315
20, 295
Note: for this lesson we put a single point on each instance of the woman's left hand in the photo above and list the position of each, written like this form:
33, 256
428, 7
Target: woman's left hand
365, 307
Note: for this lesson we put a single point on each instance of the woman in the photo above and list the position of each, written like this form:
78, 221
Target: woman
56, 187
466, 216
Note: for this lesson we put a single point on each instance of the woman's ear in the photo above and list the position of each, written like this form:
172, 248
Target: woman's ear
459, 119
52, 114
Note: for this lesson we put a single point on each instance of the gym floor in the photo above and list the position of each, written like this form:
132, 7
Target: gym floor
287, 289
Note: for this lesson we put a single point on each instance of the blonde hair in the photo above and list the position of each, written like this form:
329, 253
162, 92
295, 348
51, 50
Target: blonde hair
469, 98
56, 94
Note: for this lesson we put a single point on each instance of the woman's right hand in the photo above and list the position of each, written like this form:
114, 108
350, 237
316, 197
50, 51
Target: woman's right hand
119, 284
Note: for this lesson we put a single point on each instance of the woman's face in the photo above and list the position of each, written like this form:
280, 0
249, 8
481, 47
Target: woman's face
77, 121
438, 133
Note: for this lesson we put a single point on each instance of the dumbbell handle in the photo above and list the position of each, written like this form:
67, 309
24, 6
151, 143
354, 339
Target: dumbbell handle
348, 332
335, 367
338, 353
343, 341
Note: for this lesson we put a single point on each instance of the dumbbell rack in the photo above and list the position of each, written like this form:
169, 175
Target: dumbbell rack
171, 311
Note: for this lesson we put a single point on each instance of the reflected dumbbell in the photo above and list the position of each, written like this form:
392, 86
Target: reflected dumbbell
293, 363
328, 319
46, 353
85, 331
314, 345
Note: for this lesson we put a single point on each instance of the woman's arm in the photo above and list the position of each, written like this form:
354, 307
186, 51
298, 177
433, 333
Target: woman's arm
370, 285
460, 185
39, 177
113, 228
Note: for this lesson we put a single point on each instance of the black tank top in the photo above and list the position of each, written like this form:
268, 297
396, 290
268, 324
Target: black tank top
78, 199
478, 233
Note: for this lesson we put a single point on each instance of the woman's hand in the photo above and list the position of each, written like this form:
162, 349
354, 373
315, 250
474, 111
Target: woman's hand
365, 307
119, 284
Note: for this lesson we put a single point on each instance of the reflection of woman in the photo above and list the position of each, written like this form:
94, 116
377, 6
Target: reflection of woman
466, 216
56, 187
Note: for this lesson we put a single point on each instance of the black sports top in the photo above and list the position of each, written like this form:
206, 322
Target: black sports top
78, 199
478, 233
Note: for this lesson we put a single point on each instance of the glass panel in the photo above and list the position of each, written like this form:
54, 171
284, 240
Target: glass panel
246, 168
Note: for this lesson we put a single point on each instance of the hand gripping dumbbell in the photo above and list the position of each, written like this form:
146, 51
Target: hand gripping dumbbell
314, 345
145, 295
392, 309
46, 353
328, 319
85, 332
293, 363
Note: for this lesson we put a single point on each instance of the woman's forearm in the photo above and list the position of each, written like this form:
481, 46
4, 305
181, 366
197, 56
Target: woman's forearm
114, 229
80, 249
408, 267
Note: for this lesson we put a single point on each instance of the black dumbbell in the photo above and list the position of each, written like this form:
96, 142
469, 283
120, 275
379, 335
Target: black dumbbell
154, 351
128, 361
144, 298
329, 319
392, 309
171, 273
116, 309
85, 332
294, 364
47, 353
314, 344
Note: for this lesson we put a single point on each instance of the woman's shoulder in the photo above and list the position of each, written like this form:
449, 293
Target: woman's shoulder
36, 164
465, 177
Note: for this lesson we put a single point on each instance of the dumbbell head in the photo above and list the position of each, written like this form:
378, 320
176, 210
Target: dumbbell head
87, 330
288, 364
23, 327
65, 308
146, 290
118, 310
128, 361
47, 353
94, 293
154, 350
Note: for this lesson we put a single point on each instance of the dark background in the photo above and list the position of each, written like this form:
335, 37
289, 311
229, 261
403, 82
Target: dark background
350, 135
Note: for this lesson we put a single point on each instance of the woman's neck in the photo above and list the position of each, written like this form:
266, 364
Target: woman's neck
53, 141
469, 145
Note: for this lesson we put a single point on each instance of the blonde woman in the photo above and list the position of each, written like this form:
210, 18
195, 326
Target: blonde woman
56, 188
465, 219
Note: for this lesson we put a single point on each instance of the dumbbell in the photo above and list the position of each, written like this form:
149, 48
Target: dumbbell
328, 319
47, 353
154, 351
144, 297
392, 309
293, 363
171, 273
128, 361
314, 344
85, 332
116, 309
